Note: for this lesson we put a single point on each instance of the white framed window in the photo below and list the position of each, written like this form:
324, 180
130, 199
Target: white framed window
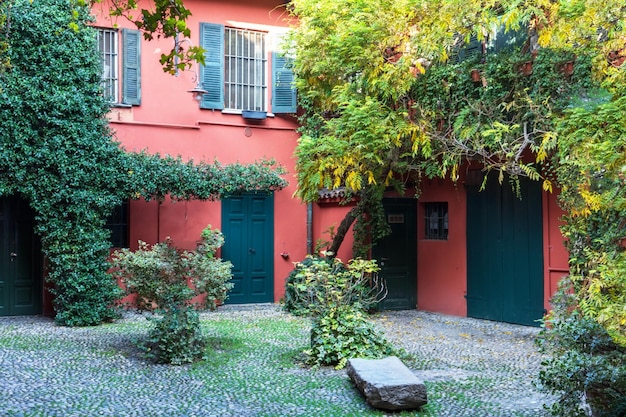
245, 70
241, 69
120, 52
108, 47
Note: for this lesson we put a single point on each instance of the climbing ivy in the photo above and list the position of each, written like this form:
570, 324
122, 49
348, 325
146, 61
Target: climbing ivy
57, 152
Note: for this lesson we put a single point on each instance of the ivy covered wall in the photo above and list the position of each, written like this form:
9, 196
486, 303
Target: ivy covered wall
57, 152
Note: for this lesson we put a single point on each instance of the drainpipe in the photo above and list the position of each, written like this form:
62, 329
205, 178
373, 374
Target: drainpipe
309, 228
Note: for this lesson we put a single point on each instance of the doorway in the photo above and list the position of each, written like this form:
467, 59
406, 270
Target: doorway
20, 260
397, 254
248, 227
505, 252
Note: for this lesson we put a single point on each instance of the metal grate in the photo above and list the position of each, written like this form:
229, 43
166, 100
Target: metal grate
108, 48
436, 220
245, 82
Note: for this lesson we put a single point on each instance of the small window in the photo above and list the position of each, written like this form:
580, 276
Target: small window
436, 221
117, 223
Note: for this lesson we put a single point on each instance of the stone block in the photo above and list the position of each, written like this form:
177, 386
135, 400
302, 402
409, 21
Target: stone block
387, 384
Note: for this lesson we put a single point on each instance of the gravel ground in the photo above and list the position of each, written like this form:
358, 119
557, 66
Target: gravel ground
495, 363
490, 365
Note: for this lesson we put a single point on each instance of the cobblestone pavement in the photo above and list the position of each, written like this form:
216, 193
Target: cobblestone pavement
471, 367
495, 364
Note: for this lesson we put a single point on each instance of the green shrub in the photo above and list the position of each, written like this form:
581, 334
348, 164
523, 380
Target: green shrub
336, 297
343, 332
309, 287
586, 369
176, 338
165, 279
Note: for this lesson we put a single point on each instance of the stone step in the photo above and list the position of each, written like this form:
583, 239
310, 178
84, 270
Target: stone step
387, 384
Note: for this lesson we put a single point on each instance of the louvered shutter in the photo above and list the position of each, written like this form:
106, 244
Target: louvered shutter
131, 67
212, 72
283, 90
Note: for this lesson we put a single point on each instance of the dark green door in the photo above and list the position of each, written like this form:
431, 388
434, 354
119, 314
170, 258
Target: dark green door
397, 254
248, 227
20, 260
505, 253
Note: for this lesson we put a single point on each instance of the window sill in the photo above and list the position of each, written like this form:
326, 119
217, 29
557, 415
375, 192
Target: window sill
121, 106
239, 112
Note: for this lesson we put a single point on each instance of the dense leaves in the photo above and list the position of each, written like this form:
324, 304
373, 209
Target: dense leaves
584, 367
388, 96
57, 152
165, 279
336, 296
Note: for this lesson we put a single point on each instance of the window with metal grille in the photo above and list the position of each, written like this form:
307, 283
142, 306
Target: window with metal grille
436, 221
108, 48
245, 75
117, 223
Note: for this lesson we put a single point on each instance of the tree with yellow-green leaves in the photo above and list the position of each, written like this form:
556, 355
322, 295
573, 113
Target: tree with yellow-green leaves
387, 101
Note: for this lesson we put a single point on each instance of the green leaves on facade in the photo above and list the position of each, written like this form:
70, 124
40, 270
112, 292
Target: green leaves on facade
56, 150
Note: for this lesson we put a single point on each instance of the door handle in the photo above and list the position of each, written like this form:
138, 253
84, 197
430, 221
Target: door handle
251, 251
13, 255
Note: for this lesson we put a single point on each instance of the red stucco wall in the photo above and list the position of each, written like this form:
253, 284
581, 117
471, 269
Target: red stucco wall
168, 121
555, 256
442, 264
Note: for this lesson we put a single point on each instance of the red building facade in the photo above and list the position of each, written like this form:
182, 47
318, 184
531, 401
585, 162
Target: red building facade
454, 250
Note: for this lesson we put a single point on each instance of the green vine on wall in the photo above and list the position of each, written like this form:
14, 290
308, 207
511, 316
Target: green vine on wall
57, 152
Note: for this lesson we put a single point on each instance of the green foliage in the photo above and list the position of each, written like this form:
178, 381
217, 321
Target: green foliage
343, 332
176, 338
160, 19
319, 283
163, 276
165, 279
53, 139
335, 296
384, 107
585, 367
591, 171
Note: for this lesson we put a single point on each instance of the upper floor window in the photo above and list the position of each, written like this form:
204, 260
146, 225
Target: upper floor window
121, 66
245, 70
238, 68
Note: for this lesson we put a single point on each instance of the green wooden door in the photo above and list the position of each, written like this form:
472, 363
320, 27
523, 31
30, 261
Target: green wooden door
397, 254
248, 227
505, 253
20, 260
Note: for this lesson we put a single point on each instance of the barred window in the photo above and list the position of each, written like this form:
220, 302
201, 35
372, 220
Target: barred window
436, 221
108, 48
245, 76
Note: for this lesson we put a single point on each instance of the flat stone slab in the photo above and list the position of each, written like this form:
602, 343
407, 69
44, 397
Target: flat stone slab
387, 384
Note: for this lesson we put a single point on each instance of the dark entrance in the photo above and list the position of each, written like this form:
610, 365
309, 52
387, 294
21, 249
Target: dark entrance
504, 252
397, 254
20, 260
248, 227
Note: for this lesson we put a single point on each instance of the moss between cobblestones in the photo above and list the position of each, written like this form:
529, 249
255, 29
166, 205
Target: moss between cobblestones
252, 370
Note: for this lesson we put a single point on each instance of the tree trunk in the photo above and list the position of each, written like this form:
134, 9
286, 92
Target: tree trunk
342, 230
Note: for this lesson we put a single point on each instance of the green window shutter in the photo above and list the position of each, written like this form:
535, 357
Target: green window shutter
471, 50
212, 72
131, 67
283, 90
